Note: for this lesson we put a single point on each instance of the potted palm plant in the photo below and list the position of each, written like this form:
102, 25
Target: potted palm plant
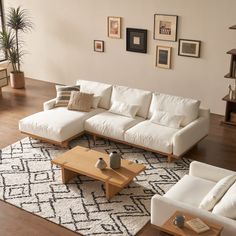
17, 22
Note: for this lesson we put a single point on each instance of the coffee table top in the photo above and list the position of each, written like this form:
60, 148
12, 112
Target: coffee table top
82, 160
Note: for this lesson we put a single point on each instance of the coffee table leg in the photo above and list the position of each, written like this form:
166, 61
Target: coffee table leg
67, 175
111, 190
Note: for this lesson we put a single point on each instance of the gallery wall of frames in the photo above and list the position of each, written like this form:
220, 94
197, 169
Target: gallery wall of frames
165, 28
173, 47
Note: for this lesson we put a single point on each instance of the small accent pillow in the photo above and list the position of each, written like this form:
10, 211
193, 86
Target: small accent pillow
63, 94
227, 205
217, 192
124, 109
80, 101
96, 100
166, 119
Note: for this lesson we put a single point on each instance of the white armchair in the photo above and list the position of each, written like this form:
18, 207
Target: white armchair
186, 195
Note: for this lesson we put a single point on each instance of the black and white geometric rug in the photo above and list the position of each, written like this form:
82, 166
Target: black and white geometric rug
28, 180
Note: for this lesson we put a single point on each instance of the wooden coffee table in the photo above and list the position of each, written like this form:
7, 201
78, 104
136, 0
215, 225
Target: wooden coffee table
80, 160
171, 229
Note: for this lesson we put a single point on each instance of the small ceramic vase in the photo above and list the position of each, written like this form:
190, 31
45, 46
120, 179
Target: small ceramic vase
179, 221
231, 93
101, 164
115, 160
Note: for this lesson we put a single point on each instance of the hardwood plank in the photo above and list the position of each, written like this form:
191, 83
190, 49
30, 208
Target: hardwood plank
219, 149
16, 222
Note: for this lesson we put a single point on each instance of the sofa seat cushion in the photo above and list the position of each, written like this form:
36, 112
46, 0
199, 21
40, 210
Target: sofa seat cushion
151, 135
58, 124
190, 190
110, 125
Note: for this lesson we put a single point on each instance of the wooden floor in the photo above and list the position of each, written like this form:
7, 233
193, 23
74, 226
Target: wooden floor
219, 149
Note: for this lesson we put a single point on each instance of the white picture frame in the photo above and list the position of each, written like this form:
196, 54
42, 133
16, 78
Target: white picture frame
163, 57
165, 27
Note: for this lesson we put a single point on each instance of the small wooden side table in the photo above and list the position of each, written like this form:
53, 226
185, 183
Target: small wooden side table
3, 78
170, 228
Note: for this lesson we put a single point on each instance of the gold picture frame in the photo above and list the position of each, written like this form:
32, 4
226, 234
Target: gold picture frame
114, 27
163, 57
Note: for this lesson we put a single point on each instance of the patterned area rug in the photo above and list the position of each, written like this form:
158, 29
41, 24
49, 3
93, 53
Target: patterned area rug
28, 180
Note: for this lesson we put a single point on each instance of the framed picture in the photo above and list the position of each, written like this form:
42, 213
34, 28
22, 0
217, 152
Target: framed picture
114, 27
98, 45
165, 27
189, 48
163, 57
136, 40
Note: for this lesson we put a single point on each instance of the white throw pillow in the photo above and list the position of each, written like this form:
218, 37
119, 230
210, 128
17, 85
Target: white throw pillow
124, 109
96, 100
217, 192
166, 119
227, 205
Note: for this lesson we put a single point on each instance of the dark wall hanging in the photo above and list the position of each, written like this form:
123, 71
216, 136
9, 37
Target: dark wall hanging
136, 40
189, 48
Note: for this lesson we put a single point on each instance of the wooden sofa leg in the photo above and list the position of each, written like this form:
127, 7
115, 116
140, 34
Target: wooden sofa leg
94, 139
169, 158
65, 144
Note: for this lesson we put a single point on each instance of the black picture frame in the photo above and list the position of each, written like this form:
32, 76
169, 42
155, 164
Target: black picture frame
136, 40
168, 34
189, 51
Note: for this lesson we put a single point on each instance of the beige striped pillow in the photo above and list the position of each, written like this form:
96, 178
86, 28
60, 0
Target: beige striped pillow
80, 101
63, 94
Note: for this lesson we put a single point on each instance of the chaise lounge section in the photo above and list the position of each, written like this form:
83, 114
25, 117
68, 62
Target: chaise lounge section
59, 125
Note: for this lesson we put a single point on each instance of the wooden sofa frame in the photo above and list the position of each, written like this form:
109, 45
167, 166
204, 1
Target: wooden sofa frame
65, 143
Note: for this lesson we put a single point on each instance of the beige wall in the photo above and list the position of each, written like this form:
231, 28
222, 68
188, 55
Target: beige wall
61, 46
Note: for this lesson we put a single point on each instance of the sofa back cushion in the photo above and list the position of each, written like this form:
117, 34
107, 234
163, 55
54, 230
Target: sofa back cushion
133, 96
187, 107
98, 89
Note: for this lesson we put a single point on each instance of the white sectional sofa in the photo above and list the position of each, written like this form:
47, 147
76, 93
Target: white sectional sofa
187, 194
60, 125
